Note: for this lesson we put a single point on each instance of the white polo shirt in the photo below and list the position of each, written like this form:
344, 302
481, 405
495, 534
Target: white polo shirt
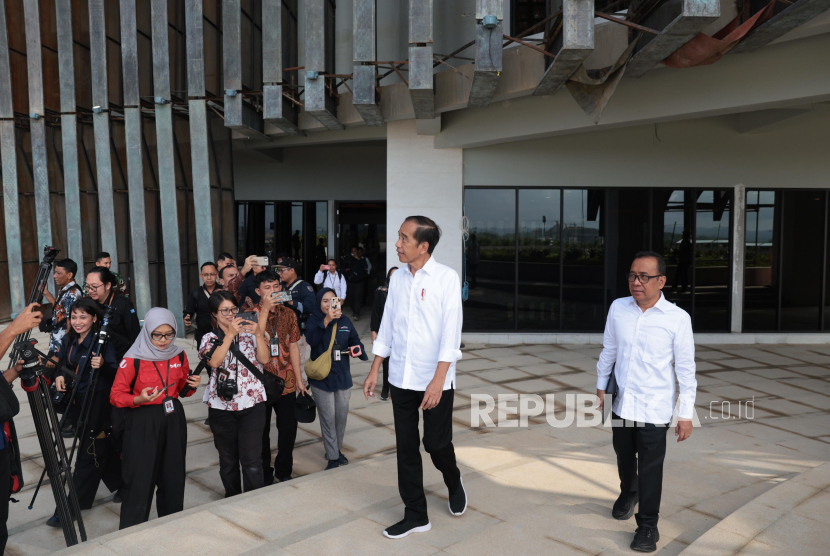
421, 325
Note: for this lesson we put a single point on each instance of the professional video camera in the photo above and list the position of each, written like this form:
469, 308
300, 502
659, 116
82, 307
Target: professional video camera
35, 381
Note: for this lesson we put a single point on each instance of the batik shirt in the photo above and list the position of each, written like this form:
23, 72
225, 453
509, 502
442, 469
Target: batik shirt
283, 324
250, 391
60, 313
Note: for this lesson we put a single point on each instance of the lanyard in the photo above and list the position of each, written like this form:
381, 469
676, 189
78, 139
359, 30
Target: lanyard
163, 385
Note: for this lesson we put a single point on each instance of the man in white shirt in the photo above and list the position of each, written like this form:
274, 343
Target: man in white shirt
421, 334
644, 335
330, 278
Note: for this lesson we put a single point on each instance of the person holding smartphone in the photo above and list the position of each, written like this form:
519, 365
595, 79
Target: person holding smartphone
148, 382
235, 396
333, 392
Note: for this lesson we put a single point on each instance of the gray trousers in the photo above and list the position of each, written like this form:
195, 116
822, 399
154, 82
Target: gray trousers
333, 409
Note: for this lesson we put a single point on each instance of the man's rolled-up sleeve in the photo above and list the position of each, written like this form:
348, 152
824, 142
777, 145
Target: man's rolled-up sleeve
382, 345
684, 368
608, 356
450, 349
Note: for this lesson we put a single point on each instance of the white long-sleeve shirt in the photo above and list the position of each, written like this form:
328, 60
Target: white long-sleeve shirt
644, 345
421, 325
333, 280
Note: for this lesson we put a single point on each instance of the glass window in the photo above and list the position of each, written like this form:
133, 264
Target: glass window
677, 244
712, 256
628, 230
491, 258
539, 243
802, 215
322, 234
583, 261
760, 278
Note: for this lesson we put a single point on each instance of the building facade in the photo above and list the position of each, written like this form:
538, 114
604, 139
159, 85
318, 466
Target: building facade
555, 138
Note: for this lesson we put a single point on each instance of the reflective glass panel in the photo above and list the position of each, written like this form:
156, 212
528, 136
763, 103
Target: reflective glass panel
712, 270
761, 273
538, 303
491, 259
583, 300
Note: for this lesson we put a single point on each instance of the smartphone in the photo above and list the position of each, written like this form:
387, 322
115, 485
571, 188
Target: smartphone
335, 303
326, 267
261, 261
250, 317
281, 297
355, 351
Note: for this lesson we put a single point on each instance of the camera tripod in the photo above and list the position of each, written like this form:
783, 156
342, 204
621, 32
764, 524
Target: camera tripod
36, 385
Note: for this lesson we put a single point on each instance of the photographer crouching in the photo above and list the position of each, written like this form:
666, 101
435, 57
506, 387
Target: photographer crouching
11, 477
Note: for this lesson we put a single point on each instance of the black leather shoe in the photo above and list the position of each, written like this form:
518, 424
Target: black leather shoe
624, 506
645, 539
404, 528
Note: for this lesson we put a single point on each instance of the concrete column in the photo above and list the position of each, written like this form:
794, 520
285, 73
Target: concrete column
421, 179
738, 255
332, 235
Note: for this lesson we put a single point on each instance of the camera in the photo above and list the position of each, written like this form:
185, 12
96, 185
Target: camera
225, 389
281, 297
31, 364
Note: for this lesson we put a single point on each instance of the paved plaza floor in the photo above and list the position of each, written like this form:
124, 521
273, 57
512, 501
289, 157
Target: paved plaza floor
748, 484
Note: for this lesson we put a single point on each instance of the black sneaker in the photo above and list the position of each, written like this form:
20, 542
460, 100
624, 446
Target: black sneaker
458, 500
53, 521
624, 506
404, 528
342, 460
117, 498
284, 479
333, 464
645, 539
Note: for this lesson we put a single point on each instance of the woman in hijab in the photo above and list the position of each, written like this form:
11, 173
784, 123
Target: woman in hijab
151, 375
332, 393
377, 315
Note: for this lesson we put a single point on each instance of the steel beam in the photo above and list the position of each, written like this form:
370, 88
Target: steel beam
779, 25
37, 125
200, 160
135, 162
489, 31
694, 16
69, 132
318, 103
238, 116
101, 127
168, 198
421, 82
8, 163
364, 77
197, 107
577, 45
275, 108
738, 255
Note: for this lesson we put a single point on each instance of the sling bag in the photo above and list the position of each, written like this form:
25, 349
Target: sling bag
318, 369
273, 384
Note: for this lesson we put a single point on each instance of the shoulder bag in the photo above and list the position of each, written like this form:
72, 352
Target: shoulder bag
319, 369
273, 384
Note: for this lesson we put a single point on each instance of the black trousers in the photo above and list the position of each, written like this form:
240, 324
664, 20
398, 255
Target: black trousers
286, 435
96, 459
437, 443
357, 290
641, 450
154, 460
5, 480
385, 389
237, 436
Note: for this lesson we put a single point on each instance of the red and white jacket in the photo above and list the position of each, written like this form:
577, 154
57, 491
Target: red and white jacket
127, 385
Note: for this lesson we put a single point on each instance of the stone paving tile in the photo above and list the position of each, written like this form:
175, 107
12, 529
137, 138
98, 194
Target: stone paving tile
707, 366
738, 363
811, 371
360, 537
501, 375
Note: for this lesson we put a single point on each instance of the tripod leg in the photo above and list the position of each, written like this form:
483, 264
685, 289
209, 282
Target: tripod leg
66, 463
50, 460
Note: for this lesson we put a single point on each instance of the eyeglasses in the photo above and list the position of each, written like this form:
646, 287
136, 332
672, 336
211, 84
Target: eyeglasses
281, 270
642, 278
94, 288
158, 337
230, 311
